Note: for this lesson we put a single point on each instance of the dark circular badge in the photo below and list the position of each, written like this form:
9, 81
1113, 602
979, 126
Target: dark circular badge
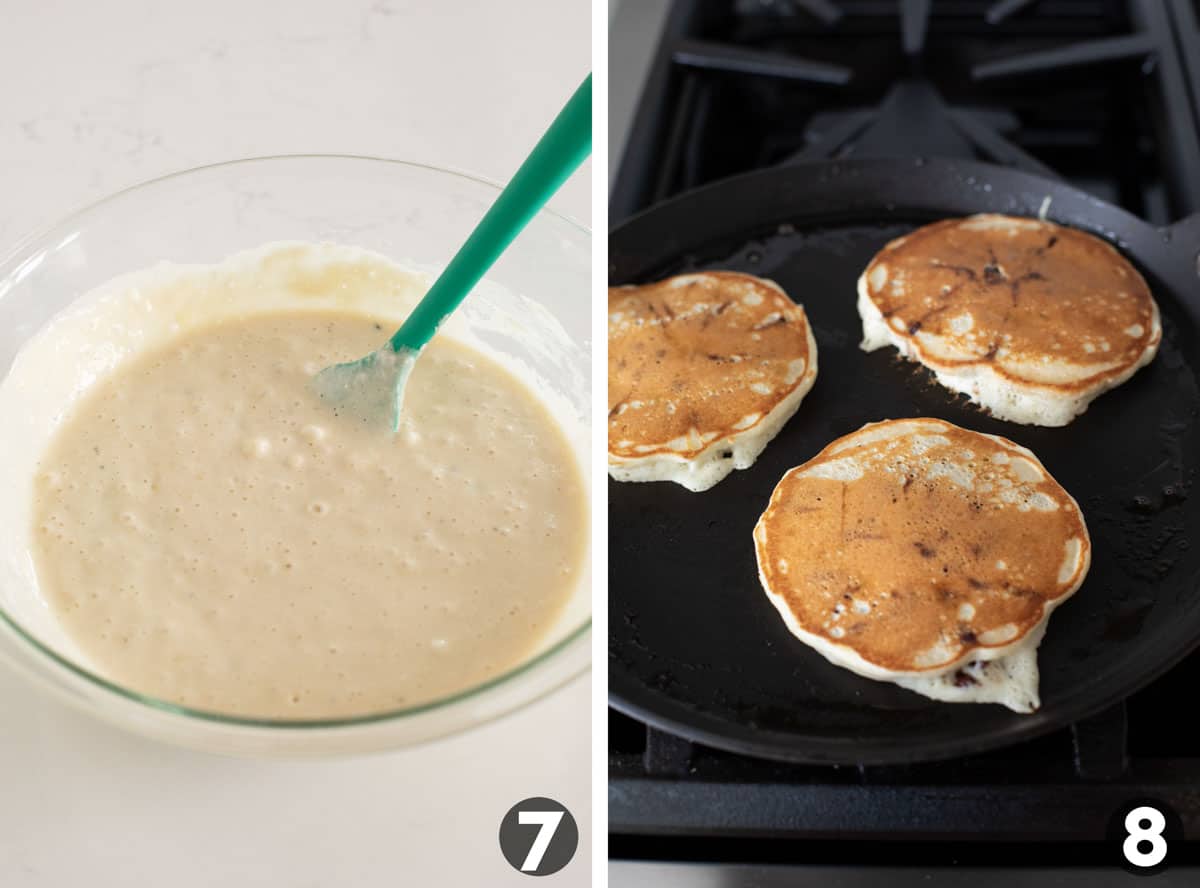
538, 836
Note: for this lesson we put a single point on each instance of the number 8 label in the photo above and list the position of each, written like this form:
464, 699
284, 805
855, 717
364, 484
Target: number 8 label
1151, 834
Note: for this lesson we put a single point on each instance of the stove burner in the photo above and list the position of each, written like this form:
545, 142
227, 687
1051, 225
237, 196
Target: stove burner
1105, 93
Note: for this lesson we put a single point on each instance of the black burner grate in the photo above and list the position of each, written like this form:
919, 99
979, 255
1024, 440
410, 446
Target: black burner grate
1104, 93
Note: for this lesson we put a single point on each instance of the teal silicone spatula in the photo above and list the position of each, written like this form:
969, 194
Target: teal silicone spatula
371, 389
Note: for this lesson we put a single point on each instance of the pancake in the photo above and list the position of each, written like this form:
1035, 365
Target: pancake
921, 553
703, 371
1030, 319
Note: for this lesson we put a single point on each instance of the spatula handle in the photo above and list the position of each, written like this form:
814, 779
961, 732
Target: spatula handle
559, 153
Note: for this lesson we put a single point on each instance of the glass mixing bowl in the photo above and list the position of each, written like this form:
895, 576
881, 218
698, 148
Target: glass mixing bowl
416, 215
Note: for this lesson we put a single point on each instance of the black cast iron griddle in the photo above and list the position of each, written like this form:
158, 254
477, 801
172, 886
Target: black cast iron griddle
696, 649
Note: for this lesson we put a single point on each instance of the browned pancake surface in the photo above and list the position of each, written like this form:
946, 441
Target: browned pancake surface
1034, 291
905, 564
696, 358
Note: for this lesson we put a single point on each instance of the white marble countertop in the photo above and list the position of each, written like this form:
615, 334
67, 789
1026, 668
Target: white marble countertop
98, 96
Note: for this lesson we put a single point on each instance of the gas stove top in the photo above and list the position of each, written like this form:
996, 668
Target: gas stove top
1103, 94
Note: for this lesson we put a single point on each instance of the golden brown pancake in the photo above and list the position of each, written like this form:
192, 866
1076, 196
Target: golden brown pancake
913, 547
1031, 319
703, 370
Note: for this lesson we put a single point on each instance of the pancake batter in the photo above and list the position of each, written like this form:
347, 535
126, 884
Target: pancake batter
209, 533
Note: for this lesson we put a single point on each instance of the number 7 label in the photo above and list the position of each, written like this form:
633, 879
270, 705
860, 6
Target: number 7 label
548, 821
548, 849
